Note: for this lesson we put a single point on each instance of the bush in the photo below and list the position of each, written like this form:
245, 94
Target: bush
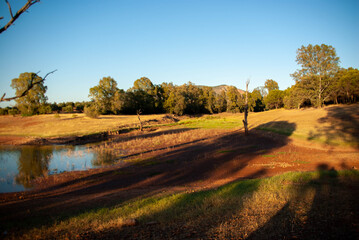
68, 109
3, 111
45, 109
92, 111
13, 111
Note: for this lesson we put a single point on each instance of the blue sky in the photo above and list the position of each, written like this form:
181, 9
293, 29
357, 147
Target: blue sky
205, 42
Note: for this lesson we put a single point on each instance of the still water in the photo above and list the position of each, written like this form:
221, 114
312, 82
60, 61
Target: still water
20, 165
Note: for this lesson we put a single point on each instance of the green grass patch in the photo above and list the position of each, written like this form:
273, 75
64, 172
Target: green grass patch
211, 123
286, 132
268, 156
225, 151
301, 162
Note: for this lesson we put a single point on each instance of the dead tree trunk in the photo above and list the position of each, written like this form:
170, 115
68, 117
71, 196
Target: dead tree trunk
245, 121
139, 119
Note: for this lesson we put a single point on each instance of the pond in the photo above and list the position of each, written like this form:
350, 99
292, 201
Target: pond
20, 165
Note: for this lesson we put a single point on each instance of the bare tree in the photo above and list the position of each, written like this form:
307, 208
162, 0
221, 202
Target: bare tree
24, 8
31, 84
139, 119
245, 121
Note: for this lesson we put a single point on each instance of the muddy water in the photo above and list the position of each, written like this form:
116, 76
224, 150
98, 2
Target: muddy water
20, 165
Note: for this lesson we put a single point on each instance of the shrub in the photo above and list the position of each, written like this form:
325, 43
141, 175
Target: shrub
45, 109
92, 111
3, 111
13, 111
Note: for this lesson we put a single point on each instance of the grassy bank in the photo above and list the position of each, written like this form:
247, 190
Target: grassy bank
334, 125
67, 124
290, 205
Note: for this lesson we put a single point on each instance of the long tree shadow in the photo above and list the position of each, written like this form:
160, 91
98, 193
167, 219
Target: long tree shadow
333, 212
219, 159
341, 122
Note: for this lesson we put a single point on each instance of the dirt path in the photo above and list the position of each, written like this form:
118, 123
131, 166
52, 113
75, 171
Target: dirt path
202, 165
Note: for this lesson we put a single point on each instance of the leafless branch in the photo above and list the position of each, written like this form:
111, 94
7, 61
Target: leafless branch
8, 4
24, 8
29, 87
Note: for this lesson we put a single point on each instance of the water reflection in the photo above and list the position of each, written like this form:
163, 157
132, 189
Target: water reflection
103, 157
33, 162
20, 165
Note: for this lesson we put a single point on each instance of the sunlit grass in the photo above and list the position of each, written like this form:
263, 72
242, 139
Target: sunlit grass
57, 125
212, 122
304, 124
161, 140
236, 209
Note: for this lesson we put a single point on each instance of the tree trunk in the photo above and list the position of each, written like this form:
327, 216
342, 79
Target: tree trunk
245, 121
320, 92
139, 119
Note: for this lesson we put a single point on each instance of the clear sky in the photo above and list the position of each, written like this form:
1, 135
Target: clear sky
205, 42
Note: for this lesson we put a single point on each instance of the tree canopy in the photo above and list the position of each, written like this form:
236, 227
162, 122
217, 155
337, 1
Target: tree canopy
270, 85
103, 94
30, 103
319, 64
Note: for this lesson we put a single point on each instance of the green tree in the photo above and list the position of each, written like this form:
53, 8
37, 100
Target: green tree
318, 67
69, 108
31, 101
118, 101
45, 109
270, 85
221, 102
194, 99
347, 85
209, 98
234, 100
255, 102
103, 94
142, 96
274, 99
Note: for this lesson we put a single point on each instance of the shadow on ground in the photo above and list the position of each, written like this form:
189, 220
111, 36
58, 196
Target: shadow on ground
195, 165
341, 122
333, 212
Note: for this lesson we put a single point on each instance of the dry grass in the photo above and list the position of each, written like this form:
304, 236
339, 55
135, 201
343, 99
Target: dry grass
66, 124
330, 125
162, 140
335, 125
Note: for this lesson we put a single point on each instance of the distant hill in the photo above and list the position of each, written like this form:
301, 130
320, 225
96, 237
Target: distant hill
220, 88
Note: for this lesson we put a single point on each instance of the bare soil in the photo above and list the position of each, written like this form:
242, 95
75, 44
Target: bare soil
204, 164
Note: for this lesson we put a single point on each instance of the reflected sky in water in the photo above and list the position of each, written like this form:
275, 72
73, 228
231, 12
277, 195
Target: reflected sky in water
20, 165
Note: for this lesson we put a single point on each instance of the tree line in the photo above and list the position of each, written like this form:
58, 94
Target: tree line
319, 81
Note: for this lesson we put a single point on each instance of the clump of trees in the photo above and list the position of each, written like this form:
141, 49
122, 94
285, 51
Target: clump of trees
319, 81
148, 98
